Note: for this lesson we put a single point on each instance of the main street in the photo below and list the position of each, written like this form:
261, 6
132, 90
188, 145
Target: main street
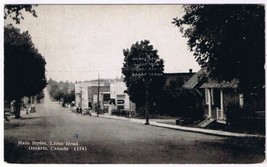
103, 140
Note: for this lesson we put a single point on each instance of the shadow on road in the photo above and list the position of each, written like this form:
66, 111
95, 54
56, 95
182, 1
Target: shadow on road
12, 126
24, 118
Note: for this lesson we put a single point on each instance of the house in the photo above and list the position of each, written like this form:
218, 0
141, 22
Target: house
198, 94
216, 97
195, 81
219, 96
213, 96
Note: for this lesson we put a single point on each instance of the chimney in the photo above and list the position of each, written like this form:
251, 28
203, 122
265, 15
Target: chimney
190, 70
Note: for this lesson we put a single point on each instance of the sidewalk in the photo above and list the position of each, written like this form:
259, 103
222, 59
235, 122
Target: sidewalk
23, 114
153, 122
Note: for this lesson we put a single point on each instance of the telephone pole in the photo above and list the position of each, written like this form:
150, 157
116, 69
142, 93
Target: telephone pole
148, 69
98, 89
81, 96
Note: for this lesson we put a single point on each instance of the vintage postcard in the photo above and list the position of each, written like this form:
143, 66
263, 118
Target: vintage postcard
134, 83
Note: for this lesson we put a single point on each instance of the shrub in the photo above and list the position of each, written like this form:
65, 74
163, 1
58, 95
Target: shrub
233, 113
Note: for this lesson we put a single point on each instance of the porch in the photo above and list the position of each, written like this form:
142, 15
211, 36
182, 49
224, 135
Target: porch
218, 95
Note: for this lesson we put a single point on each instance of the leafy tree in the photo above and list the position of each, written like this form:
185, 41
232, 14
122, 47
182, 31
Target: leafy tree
142, 65
40, 96
24, 67
54, 92
229, 40
61, 91
14, 11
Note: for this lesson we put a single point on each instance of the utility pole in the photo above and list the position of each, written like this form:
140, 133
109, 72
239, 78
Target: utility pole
81, 95
98, 89
148, 71
147, 81
68, 97
147, 103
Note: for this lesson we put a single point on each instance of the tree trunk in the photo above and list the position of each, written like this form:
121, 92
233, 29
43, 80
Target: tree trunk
17, 108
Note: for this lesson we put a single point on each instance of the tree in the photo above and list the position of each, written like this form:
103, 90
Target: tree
229, 40
24, 67
142, 66
14, 11
40, 96
61, 91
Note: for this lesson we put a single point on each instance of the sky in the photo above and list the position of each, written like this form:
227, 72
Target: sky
80, 41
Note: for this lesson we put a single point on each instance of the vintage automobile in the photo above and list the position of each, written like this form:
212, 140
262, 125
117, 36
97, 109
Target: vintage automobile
86, 111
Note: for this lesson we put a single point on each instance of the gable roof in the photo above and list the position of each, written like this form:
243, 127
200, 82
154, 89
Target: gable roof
195, 79
224, 84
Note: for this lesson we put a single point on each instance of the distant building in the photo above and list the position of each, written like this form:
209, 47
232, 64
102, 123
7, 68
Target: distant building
118, 98
81, 93
177, 78
109, 93
104, 96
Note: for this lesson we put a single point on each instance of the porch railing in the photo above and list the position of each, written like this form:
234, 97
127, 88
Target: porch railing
219, 114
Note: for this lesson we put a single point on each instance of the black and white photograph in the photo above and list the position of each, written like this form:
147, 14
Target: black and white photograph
133, 83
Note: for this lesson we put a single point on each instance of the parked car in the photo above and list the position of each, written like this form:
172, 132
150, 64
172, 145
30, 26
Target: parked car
86, 111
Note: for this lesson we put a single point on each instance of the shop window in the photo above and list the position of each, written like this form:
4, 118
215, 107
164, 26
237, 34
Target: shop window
121, 96
120, 101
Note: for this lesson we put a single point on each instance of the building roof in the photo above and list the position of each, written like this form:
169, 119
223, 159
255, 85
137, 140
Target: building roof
224, 84
178, 78
195, 79
178, 74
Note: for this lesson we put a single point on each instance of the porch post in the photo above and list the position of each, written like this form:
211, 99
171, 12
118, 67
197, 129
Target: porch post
221, 100
209, 107
241, 100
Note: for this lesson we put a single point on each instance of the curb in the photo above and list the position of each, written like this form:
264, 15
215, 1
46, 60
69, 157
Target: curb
188, 129
206, 131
